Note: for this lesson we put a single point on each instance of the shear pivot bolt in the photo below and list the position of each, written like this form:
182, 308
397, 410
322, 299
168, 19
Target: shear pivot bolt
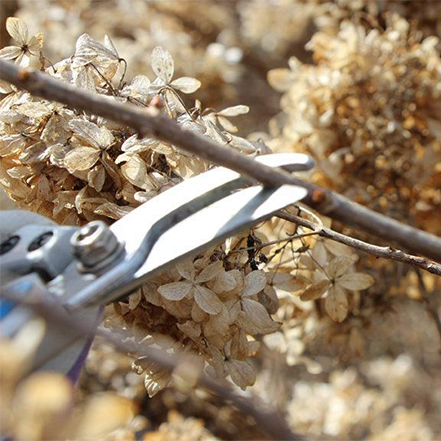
95, 245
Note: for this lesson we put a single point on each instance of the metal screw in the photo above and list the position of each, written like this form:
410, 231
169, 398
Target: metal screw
9, 244
40, 241
95, 245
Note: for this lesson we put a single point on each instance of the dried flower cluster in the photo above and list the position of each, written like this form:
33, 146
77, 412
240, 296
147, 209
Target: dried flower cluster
74, 167
366, 111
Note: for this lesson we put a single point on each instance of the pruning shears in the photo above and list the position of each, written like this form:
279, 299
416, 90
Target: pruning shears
80, 269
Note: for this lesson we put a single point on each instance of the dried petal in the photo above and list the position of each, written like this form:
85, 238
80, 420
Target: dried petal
35, 44
316, 290
81, 158
134, 144
190, 328
337, 304
254, 283
210, 272
162, 64
216, 328
113, 211
268, 298
175, 291
87, 49
197, 314
135, 170
10, 52
108, 44
259, 317
17, 29
224, 281
186, 84
207, 300
234, 111
242, 144
289, 283
134, 299
186, 269
227, 125
355, 281
96, 177
241, 373
99, 137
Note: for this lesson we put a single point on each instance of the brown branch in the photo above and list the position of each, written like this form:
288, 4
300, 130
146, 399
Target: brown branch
151, 123
385, 252
271, 421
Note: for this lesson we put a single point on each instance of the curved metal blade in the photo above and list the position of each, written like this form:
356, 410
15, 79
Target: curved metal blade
141, 229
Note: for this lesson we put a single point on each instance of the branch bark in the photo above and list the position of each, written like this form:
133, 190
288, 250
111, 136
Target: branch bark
151, 123
385, 252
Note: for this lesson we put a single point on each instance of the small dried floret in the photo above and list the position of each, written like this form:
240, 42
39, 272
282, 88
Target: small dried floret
26, 48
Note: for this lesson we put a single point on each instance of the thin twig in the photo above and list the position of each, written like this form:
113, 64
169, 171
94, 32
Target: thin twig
385, 252
152, 123
269, 420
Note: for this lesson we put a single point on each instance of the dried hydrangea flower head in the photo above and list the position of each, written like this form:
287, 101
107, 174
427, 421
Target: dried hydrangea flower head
76, 168
364, 112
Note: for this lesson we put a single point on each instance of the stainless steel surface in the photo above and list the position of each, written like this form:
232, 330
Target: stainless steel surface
95, 246
42, 248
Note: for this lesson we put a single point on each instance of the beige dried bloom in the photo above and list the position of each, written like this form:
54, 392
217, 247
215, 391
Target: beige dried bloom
364, 112
163, 67
253, 317
334, 280
193, 287
78, 168
100, 166
94, 64
26, 48
205, 310
97, 139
